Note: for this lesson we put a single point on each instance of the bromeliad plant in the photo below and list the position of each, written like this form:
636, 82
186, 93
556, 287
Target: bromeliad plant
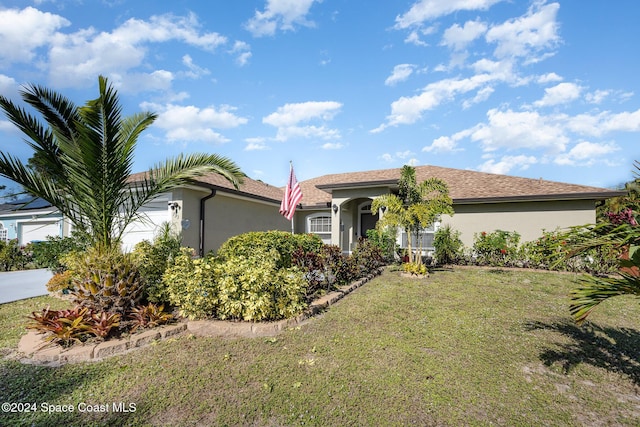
66, 327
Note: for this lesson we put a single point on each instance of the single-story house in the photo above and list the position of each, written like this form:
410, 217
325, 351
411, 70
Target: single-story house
31, 219
337, 207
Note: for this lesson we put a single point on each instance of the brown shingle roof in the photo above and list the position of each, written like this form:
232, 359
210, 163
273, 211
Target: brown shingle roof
464, 185
250, 187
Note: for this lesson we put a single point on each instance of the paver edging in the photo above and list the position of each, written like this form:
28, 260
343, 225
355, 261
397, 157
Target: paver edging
37, 351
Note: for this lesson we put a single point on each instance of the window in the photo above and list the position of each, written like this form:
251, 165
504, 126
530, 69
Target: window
3, 234
320, 224
427, 235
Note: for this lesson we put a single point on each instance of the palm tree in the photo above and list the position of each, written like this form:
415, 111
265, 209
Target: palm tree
90, 150
416, 207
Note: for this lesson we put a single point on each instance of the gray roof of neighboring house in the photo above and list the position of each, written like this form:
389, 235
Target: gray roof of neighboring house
24, 203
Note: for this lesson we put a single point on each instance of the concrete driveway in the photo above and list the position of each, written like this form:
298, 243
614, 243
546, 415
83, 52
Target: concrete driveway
17, 285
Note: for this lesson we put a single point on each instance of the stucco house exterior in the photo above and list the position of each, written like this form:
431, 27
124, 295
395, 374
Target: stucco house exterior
337, 207
31, 219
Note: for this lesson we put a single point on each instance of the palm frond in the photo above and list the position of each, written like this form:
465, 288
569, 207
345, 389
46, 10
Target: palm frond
595, 290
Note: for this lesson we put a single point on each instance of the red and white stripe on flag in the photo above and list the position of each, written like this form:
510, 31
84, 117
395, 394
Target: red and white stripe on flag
292, 196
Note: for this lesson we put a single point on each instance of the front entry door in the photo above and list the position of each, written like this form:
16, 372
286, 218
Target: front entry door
367, 222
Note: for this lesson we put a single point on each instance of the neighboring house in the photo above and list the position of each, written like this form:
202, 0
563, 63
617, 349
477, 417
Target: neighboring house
30, 219
337, 208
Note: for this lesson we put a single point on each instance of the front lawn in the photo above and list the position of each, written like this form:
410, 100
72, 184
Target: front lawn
463, 347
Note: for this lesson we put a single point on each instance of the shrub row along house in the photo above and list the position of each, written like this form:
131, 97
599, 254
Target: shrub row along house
337, 207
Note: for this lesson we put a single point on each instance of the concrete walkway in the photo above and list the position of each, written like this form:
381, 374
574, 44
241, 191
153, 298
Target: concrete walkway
17, 285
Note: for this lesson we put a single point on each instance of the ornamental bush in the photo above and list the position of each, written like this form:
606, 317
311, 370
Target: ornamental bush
248, 244
192, 286
255, 289
498, 248
153, 259
448, 245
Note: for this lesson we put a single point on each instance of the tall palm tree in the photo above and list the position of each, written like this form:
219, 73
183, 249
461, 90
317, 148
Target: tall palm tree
89, 150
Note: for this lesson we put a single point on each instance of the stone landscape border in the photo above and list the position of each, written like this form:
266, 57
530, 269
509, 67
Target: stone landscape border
33, 349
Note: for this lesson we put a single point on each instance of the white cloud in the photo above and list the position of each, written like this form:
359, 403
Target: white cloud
562, 93
256, 144
75, 59
443, 144
507, 163
9, 87
426, 10
408, 110
549, 78
322, 132
586, 153
604, 122
243, 52
332, 146
399, 156
457, 37
446, 144
281, 15
597, 96
517, 130
400, 73
291, 114
194, 70
481, 96
23, 31
190, 123
528, 34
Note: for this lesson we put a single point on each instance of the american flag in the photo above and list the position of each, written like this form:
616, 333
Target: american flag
292, 196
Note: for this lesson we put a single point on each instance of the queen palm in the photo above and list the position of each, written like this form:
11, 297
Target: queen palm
87, 153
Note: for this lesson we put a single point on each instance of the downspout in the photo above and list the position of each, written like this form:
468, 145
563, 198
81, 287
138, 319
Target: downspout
202, 212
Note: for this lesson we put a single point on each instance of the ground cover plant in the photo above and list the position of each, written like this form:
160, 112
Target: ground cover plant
467, 346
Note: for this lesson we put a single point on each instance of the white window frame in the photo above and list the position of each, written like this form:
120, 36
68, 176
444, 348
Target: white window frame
324, 235
4, 233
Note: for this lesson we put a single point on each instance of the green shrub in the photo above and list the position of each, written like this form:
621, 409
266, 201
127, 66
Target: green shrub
285, 243
13, 256
385, 240
191, 285
368, 257
255, 289
153, 259
448, 245
340, 268
60, 281
498, 248
48, 253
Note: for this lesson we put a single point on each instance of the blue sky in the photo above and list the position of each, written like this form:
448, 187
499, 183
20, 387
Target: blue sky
528, 88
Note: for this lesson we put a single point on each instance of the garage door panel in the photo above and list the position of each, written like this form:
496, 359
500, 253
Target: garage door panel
38, 230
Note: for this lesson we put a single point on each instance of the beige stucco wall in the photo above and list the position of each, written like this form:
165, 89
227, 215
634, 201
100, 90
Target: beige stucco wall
227, 216
527, 218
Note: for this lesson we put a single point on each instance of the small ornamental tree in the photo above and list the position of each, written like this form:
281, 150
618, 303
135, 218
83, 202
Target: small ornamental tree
416, 207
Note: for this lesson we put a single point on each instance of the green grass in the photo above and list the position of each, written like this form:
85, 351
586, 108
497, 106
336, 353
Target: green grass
463, 347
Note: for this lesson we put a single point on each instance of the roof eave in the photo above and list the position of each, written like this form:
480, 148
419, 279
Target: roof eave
540, 198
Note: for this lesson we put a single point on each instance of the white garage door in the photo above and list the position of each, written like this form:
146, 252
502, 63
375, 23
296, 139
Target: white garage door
38, 230
154, 215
